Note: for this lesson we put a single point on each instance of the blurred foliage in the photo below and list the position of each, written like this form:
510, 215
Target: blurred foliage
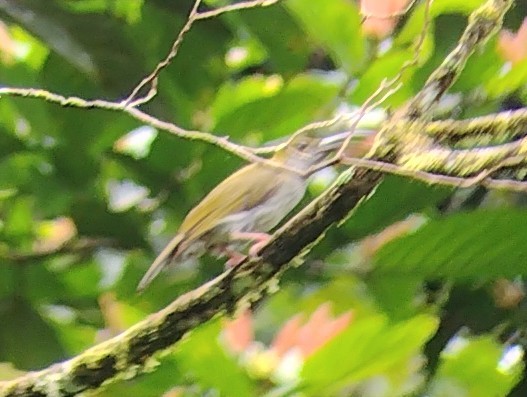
432, 277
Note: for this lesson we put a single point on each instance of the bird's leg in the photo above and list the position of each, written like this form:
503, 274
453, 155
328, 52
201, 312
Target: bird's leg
235, 257
260, 240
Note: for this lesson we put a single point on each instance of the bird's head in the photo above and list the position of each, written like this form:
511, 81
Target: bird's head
303, 151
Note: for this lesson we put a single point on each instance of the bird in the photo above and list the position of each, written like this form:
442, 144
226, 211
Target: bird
246, 205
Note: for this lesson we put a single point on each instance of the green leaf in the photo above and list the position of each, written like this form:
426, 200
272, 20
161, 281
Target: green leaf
393, 200
479, 245
299, 101
233, 95
283, 40
18, 223
383, 68
202, 356
336, 24
483, 69
130, 10
26, 339
477, 367
396, 295
503, 84
19, 169
415, 24
367, 348
244, 54
45, 24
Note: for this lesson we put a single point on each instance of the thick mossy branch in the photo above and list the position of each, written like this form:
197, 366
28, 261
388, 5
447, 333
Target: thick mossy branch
466, 162
460, 162
480, 131
131, 353
483, 23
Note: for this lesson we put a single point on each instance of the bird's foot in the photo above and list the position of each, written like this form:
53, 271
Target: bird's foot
235, 258
261, 239
253, 251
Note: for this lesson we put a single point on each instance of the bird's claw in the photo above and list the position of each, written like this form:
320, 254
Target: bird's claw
235, 258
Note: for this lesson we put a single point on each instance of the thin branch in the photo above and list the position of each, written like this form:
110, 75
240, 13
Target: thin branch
241, 151
385, 90
368, 105
79, 246
221, 142
350, 121
411, 143
388, 85
129, 103
61, 100
236, 7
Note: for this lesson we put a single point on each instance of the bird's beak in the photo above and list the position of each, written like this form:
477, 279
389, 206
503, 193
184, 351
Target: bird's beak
335, 141
332, 142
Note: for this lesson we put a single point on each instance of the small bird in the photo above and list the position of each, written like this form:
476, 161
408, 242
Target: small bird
245, 206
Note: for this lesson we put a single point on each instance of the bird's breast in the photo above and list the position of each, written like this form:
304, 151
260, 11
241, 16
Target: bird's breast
267, 214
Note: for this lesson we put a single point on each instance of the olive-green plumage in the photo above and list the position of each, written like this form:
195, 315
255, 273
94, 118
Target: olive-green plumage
253, 200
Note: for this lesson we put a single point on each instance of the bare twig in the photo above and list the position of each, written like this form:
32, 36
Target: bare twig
194, 16
483, 178
61, 100
222, 142
385, 88
236, 7
368, 105
79, 246
153, 77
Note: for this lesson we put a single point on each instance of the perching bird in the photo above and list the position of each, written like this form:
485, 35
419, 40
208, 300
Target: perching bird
245, 206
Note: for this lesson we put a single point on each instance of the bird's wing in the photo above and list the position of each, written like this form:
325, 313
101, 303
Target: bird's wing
243, 190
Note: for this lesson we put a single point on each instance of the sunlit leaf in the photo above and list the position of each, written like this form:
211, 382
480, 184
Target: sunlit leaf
468, 358
367, 348
336, 25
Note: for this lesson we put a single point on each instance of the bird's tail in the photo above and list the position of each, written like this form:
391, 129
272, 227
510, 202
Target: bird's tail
163, 259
